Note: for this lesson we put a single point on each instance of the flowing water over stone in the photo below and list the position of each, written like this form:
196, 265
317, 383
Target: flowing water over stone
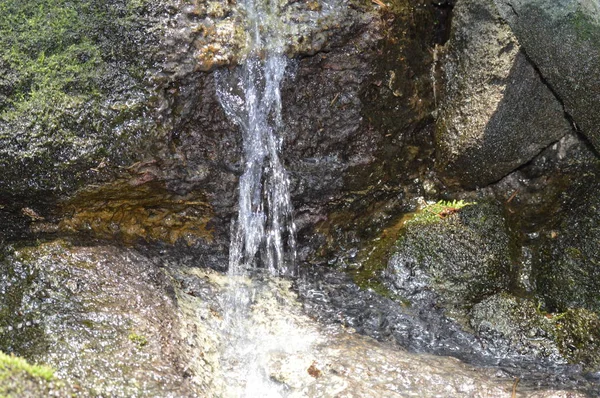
263, 236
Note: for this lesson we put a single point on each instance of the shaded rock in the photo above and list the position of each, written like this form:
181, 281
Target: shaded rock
495, 112
550, 207
452, 260
537, 196
572, 335
517, 320
340, 119
565, 264
562, 40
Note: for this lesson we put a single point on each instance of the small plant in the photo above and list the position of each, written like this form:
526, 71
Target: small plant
11, 363
138, 339
435, 211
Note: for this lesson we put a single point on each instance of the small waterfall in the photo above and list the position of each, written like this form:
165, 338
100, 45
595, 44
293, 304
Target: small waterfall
251, 97
263, 235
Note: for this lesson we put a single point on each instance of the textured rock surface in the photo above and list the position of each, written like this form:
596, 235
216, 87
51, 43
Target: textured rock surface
495, 112
562, 39
341, 138
461, 258
100, 316
73, 100
305, 359
566, 263
111, 323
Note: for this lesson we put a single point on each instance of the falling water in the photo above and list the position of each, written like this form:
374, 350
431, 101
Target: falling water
251, 98
263, 235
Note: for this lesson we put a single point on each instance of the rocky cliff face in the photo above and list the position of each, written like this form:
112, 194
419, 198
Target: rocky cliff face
440, 170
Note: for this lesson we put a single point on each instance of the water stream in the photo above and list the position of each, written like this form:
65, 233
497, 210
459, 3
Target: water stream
263, 235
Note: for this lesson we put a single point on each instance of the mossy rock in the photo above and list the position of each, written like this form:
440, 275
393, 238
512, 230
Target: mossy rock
99, 315
519, 322
72, 92
18, 378
572, 336
455, 259
566, 263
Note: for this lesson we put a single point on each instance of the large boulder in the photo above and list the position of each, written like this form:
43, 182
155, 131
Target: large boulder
496, 113
74, 102
565, 264
100, 316
346, 88
567, 336
562, 38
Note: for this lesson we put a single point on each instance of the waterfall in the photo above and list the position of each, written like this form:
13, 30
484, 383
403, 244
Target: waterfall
251, 98
263, 235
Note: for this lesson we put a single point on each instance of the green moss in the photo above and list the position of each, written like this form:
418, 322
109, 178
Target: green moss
585, 26
434, 212
71, 87
578, 336
138, 339
10, 364
374, 261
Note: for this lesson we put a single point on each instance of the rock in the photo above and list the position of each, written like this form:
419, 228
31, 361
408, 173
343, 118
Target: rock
568, 336
100, 316
496, 113
18, 378
565, 260
519, 321
302, 358
562, 39
452, 260
73, 100
339, 111
157, 114
111, 323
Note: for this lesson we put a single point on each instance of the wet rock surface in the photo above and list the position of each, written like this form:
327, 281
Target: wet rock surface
111, 323
496, 113
100, 316
568, 64
337, 139
332, 297
73, 100
460, 258
509, 283
305, 359
566, 260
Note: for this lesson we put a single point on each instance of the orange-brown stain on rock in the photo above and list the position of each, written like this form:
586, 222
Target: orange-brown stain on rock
132, 212
313, 370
